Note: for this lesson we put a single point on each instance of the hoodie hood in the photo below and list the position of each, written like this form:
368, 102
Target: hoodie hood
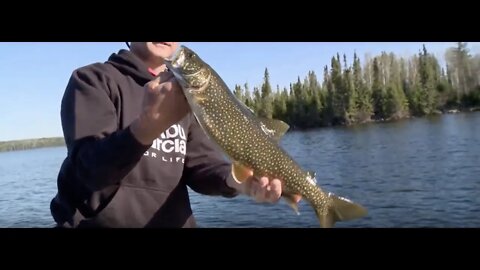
130, 65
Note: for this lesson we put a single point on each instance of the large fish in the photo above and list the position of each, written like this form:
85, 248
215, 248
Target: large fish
252, 142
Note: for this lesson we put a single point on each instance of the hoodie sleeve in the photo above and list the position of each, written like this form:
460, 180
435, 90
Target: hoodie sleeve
101, 153
206, 168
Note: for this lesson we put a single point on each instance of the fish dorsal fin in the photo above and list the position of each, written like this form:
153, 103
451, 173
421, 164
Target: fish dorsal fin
245, 109
273, 128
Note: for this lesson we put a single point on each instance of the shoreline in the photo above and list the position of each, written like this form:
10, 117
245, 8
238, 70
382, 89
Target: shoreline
27, 144
392, 120
35, 143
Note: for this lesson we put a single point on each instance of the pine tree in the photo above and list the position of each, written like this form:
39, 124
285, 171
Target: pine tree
337, 91
363, 100
266, 107
396, 102
238, 92
378, 90
426, 96
248, 97
257, 100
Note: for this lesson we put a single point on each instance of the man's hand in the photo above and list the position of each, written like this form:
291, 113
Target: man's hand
163, 105
261, 189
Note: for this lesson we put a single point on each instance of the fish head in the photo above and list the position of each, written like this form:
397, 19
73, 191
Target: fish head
190, 70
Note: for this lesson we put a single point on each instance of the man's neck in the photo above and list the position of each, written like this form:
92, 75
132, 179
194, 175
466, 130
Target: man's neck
156, 70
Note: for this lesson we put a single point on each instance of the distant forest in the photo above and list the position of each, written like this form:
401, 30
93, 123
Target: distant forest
31, 143
385, 87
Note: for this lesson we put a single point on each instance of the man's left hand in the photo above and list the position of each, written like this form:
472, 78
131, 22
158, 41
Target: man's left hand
263, 189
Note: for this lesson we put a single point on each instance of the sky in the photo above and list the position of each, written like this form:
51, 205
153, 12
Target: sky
33, 75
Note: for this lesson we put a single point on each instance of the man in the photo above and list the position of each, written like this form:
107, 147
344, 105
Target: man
134, 147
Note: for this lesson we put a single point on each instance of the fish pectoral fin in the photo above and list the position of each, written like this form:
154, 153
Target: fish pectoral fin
240, 173
291, 202
274, 128
312, 175
199, 99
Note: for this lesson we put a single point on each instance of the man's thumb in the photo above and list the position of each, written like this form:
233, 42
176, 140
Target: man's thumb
152, 86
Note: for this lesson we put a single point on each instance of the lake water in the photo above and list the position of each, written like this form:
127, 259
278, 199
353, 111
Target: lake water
414, 173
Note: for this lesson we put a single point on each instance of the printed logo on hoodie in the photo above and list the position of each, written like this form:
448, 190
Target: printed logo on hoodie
171, 146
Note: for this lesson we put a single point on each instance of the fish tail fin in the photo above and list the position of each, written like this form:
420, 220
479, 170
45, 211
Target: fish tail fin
341, 209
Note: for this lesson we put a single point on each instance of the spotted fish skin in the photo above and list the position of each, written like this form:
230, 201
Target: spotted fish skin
248, 141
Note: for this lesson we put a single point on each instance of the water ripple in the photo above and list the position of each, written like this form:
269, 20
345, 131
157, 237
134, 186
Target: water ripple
417, 173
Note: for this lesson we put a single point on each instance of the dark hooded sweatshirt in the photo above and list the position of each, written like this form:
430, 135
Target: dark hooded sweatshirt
108, 178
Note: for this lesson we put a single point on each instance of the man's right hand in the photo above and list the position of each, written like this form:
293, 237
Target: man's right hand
163, 105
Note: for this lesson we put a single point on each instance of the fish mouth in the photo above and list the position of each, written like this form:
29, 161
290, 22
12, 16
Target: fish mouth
177, 59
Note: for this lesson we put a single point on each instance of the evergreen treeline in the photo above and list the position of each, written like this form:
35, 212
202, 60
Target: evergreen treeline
31, 143
384, 87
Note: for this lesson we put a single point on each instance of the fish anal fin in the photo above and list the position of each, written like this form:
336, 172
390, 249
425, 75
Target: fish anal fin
290, 199
274, 128
240, 173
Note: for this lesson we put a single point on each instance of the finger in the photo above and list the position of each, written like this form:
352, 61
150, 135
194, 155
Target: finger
163, 82
256, 191
165, 87
263, 182
165, 76
157, 87
252, 189
260, 195
260, 186
152, 86
270, 195
249, 186
275, 190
